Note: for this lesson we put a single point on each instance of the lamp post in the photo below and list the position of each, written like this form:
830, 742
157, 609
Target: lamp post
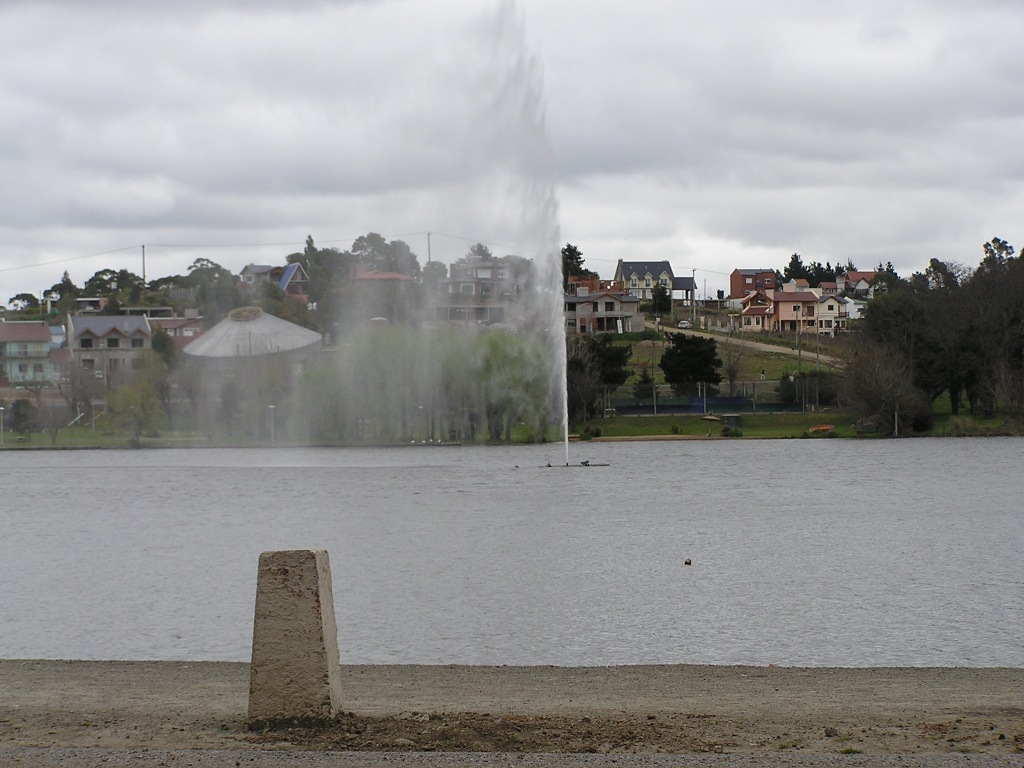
1, 426
271, 409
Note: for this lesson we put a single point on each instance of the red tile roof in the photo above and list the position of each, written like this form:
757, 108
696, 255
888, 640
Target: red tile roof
24, 331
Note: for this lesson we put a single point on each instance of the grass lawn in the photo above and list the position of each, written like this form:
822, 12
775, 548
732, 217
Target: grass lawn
768, 425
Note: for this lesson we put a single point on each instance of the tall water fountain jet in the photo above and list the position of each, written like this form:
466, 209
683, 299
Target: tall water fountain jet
523, 142
401, 376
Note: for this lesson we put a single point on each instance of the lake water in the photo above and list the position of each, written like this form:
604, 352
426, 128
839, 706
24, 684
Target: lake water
804, 552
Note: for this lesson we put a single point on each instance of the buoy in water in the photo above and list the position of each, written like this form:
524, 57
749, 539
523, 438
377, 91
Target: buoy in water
687, 561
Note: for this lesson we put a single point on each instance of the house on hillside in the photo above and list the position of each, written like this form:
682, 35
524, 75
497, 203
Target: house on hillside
481, 289
602, 312
755, 313
25, 352
638, 278
744, 281
108, 344
794, 311
832, 314
860, 283
291, 278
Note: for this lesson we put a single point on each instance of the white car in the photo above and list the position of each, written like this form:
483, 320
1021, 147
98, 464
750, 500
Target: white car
684, 324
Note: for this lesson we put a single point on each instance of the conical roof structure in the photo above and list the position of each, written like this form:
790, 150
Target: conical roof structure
250, 332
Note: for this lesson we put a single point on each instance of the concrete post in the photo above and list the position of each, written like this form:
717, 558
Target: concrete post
295, 673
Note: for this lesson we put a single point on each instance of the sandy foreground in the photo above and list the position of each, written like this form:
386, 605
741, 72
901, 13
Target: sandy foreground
194, 713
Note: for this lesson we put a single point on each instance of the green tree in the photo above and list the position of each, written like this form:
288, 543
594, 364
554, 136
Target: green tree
216, 288
374, 252
22, 416
433, 274
66, 292
24, 301
479, 251
795, 269
643, 387
572, 265
661, 300
135, 407
691, 360
163, 347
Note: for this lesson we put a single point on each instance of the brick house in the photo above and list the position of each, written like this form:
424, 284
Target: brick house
744, 281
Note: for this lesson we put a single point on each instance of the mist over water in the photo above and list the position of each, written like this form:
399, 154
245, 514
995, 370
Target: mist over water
435, 381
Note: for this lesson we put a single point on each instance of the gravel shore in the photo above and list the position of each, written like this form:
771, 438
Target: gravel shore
193, 713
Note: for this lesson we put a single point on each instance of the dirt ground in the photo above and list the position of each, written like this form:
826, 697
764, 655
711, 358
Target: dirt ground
659, 709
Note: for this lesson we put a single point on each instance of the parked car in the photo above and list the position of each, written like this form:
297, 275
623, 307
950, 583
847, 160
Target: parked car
684, 324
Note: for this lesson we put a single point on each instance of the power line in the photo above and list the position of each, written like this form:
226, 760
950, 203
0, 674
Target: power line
70, 258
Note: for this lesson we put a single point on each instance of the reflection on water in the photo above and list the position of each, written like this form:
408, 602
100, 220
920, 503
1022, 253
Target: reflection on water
804, 552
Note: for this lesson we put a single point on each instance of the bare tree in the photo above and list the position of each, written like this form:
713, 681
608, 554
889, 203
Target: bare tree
732, 355
878, 384
78, 386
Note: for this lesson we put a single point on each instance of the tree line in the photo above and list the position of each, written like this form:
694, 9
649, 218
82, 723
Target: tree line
949, 331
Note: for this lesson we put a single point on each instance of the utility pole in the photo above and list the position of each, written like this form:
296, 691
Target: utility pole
143, 265
693, 296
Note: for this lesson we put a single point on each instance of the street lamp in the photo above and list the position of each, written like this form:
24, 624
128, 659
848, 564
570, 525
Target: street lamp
271, 409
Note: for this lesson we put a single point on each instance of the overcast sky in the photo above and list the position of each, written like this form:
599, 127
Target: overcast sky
714, 135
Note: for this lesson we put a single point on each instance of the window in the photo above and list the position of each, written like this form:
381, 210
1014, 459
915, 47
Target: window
831, 308
138, 343
633, 282
570, 308
609, 306
465, 288
85, 343
23, 368
37, 367
88, 363
593, 308
746, 321
647, 282
748, 280
113, 343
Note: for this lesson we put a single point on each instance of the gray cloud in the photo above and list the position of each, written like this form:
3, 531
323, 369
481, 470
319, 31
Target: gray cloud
718, 136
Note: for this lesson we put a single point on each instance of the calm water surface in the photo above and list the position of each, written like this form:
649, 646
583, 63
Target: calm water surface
837, 553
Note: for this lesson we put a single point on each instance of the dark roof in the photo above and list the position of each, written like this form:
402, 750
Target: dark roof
103, 325
684, 284
646, 267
